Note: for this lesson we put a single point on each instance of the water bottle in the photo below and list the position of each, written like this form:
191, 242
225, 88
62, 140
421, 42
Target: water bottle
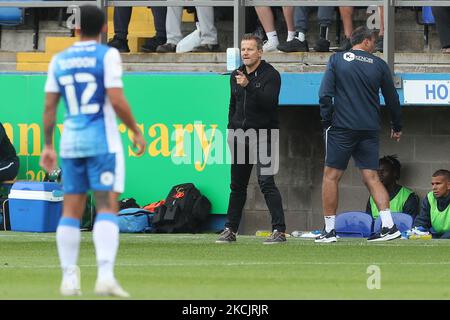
263, 233
420, 236
427, 16
233, 59
296, 233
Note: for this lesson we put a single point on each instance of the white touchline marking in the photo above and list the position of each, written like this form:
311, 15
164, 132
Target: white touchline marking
172, 264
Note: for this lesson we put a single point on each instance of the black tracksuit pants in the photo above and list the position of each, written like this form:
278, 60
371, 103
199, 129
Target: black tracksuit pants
240, 175
9, 169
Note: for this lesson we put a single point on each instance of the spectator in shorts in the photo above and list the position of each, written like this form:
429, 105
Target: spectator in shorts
347, 21
299, 43
265, 15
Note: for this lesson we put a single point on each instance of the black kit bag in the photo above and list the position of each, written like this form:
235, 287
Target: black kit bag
128, 203
184, 211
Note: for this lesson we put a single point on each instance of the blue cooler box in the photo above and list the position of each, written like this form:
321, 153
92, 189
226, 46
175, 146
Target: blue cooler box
35, 206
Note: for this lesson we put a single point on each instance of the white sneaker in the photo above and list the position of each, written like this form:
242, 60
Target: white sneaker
326, 237
110, 287
70, 285
270, 46
386, 234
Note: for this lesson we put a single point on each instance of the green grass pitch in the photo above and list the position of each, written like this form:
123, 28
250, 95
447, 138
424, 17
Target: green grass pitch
193, 266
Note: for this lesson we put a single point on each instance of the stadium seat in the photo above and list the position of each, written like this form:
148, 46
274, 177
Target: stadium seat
402, 220
353, 224
11, 16
15, 16
427, 16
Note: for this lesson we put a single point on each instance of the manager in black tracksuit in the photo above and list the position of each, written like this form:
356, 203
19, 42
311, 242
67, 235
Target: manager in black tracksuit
350, 111
255, 88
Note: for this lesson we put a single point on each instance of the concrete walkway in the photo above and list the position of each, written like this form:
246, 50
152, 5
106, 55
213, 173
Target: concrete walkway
284, 62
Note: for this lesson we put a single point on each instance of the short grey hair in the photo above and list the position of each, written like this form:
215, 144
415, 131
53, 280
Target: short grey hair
251, 36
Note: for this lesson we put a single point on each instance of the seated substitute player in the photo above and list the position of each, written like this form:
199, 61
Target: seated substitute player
435, 211
401, 199
88, 76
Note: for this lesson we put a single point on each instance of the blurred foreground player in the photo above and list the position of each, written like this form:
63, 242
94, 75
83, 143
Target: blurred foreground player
88, 76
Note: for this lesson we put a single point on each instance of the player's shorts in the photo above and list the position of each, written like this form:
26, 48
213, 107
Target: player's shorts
341, 144
104, 172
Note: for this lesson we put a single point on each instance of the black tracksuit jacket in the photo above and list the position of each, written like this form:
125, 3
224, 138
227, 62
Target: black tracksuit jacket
7, 151
255, 106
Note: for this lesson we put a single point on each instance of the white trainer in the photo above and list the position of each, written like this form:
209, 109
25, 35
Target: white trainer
110, 287
70, 285
326, 237
270, 46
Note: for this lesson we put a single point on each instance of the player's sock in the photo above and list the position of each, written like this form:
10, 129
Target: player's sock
106, 242
386, 218
329, 223
68, 242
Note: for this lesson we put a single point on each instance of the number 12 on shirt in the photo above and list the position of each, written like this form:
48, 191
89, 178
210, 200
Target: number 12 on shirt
68, 82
